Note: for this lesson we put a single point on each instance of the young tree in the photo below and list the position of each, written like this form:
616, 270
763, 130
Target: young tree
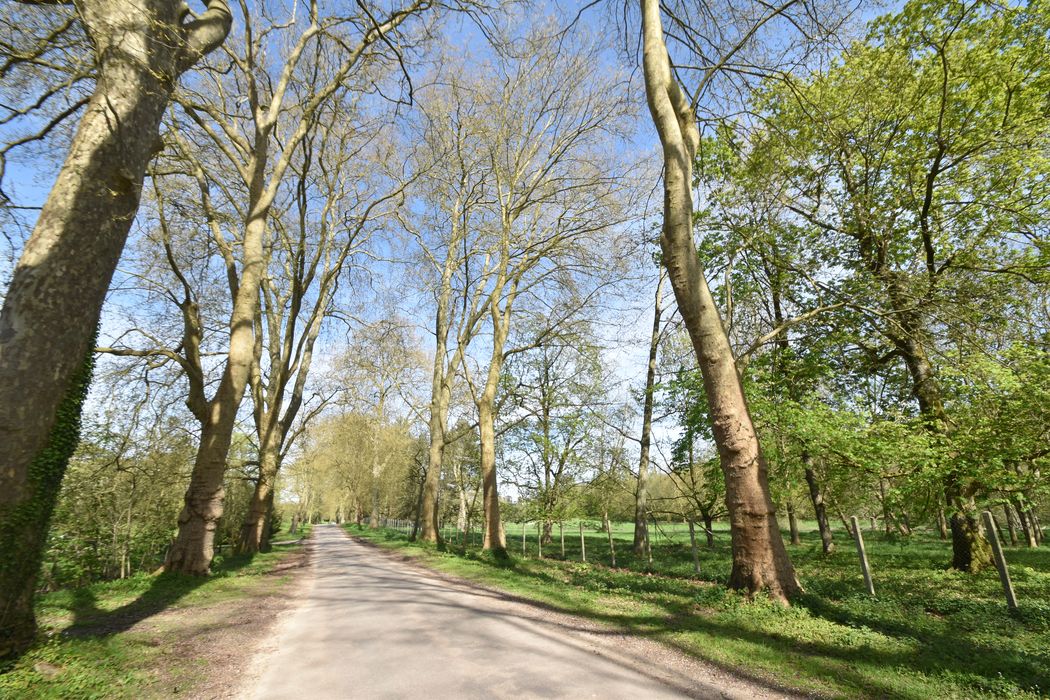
554, 392
641, 497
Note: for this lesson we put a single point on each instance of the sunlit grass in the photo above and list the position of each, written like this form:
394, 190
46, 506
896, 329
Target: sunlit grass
929, 632
88, 649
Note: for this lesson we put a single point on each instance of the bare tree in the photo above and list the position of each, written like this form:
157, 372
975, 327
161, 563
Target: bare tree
546, 192
328, 52
313, 246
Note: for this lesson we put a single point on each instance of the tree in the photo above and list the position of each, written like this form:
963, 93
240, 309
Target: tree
918, 164
52, 306
760, 560
555, 392
383, 365
339, 196
261, 163
542, 131
641, 506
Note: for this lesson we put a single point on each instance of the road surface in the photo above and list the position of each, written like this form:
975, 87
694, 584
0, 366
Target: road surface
371, 626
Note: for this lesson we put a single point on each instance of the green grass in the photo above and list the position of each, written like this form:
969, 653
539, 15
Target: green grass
88, 649
929, 632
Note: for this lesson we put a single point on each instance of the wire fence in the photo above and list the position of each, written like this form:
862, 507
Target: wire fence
579, 540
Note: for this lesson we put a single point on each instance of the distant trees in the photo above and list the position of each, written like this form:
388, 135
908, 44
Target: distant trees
335, 477
534, 194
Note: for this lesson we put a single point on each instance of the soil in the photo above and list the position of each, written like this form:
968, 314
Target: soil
204, 649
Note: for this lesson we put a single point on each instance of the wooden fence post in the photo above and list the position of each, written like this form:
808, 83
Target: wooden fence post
859, 539
649, 544
1000, 560
583, 545
692, 544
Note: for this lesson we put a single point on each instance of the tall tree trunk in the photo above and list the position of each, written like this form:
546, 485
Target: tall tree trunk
52, 306
24, 524
440, 397
255, 535
760, 560
429, 531
819, 508
193, 549
641, 493
942, 524
494, 537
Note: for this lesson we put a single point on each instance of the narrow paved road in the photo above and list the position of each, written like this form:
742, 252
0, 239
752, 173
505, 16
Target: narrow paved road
371, 626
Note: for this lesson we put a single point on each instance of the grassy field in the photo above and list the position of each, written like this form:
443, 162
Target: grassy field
92, 648
929, 633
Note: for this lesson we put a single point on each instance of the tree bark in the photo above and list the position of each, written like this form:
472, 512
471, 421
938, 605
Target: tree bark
255, 535
793, 523
440, 397
24, 525
819, 508
193, 549
709, 529
760, 560
52, 306
641, 494
1008, 516
969, 553
429, 531
494, 538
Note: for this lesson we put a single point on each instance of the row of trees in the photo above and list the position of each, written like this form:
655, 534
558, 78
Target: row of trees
334, 182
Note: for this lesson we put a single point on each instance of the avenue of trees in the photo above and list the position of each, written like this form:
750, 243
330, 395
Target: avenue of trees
466, 263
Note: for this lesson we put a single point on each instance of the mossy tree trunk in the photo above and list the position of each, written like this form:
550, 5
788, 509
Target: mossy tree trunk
52, 307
